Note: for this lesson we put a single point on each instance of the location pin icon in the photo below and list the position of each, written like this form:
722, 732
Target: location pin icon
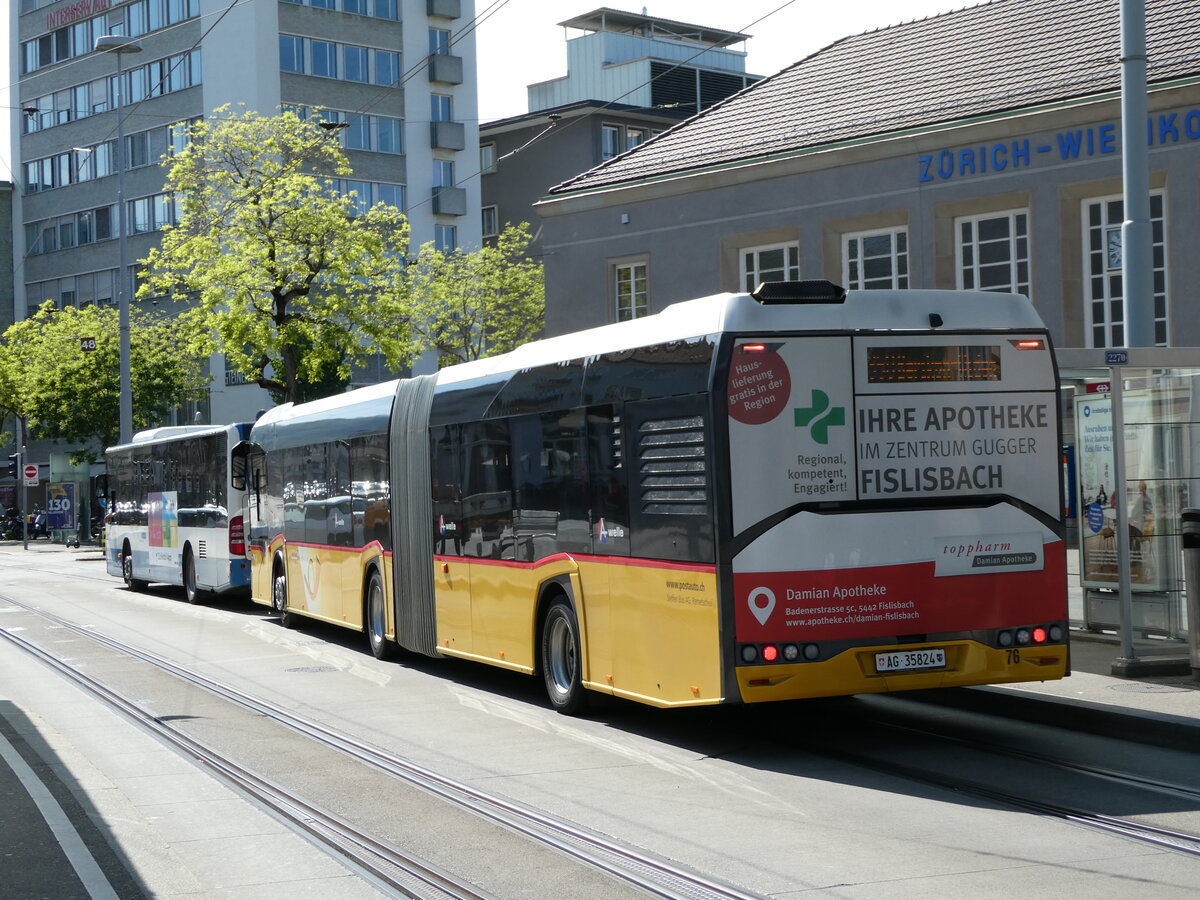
762, 603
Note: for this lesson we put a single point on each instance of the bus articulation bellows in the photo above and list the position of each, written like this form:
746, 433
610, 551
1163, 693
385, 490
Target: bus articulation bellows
798, 492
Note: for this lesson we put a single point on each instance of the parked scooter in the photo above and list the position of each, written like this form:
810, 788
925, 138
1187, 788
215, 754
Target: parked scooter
40, 526
10, 525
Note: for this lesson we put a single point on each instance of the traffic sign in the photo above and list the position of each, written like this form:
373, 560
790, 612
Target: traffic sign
31, 474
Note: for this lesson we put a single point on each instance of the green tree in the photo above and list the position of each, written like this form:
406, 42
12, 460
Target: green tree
72, 394
289, 278
467, 306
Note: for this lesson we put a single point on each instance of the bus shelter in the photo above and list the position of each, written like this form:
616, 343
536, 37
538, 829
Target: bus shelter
1154, 471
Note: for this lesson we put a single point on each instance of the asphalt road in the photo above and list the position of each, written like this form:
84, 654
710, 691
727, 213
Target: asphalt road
733, 792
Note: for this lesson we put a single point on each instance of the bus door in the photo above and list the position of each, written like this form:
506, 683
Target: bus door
339, 532
452, 575
608, 518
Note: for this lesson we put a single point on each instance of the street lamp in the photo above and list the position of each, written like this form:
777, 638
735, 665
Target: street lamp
119, 45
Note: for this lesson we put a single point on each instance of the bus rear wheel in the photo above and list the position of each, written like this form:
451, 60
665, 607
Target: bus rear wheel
194, 593
134, 584
560, 659
376, 617
279, 599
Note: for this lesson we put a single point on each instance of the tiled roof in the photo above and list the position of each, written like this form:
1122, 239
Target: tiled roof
982, 60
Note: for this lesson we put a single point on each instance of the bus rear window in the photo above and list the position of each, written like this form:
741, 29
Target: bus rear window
908, 365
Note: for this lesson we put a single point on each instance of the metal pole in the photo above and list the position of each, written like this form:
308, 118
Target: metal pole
1124, 582
21, 475
119, 45
1136, 269
1136, 230
126, 432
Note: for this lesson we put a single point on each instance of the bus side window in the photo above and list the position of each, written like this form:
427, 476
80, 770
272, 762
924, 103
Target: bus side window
487, 491
338, 517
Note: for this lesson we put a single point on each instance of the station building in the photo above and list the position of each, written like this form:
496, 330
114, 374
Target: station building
399, 73
975, 149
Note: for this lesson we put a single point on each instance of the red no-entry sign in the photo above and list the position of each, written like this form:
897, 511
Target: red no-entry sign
31, 474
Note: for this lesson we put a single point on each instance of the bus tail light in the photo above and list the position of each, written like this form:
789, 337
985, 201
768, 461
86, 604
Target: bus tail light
1031, 635
237, 537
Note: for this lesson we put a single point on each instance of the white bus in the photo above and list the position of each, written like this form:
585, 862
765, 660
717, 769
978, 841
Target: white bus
175, 516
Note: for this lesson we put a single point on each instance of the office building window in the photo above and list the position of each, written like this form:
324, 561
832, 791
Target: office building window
391, 194
632, 301
389, 135
610, 141
875, 259
357, 133
1103, 259
443, 173
441, 108
439, 41
445, 238
993, 252
356, 65
387, 68
487, 157
490, 221
291, 54
774, 262
324, 59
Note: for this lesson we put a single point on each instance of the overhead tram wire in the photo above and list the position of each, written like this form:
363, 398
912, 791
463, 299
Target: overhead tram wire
555, 126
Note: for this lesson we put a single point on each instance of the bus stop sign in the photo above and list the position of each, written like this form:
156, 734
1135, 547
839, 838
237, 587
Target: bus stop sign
31, 474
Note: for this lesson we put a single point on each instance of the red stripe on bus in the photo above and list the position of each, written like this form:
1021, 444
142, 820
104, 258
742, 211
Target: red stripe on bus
584, 557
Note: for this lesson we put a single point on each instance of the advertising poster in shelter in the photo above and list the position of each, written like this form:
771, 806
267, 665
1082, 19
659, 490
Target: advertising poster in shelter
1099, 494
60, 506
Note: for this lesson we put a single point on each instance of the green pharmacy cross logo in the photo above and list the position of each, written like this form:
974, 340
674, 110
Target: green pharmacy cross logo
820, 416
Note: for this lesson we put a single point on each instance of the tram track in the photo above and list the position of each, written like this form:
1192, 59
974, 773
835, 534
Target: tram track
909, 735
980, 753
383, 864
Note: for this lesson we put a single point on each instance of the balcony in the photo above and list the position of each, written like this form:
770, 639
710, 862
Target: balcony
445, 69
448, 9
447, 136
449, 201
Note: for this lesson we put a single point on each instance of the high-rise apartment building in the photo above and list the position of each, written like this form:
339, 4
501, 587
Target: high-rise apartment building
399, 73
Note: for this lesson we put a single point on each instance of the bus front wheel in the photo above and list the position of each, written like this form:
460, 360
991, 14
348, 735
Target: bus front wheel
279, 600
560, 659
134, 584
381, 647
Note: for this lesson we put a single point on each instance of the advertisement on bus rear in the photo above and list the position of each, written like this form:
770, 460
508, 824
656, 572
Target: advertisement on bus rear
933, 417
791, 437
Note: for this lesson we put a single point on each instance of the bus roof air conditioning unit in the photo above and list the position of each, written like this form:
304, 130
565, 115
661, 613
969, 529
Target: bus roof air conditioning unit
770, 293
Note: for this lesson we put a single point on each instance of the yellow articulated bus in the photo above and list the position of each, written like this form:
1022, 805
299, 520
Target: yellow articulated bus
793, 493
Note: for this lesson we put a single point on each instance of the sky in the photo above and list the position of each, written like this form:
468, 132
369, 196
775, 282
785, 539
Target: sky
519, 42
782, 33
